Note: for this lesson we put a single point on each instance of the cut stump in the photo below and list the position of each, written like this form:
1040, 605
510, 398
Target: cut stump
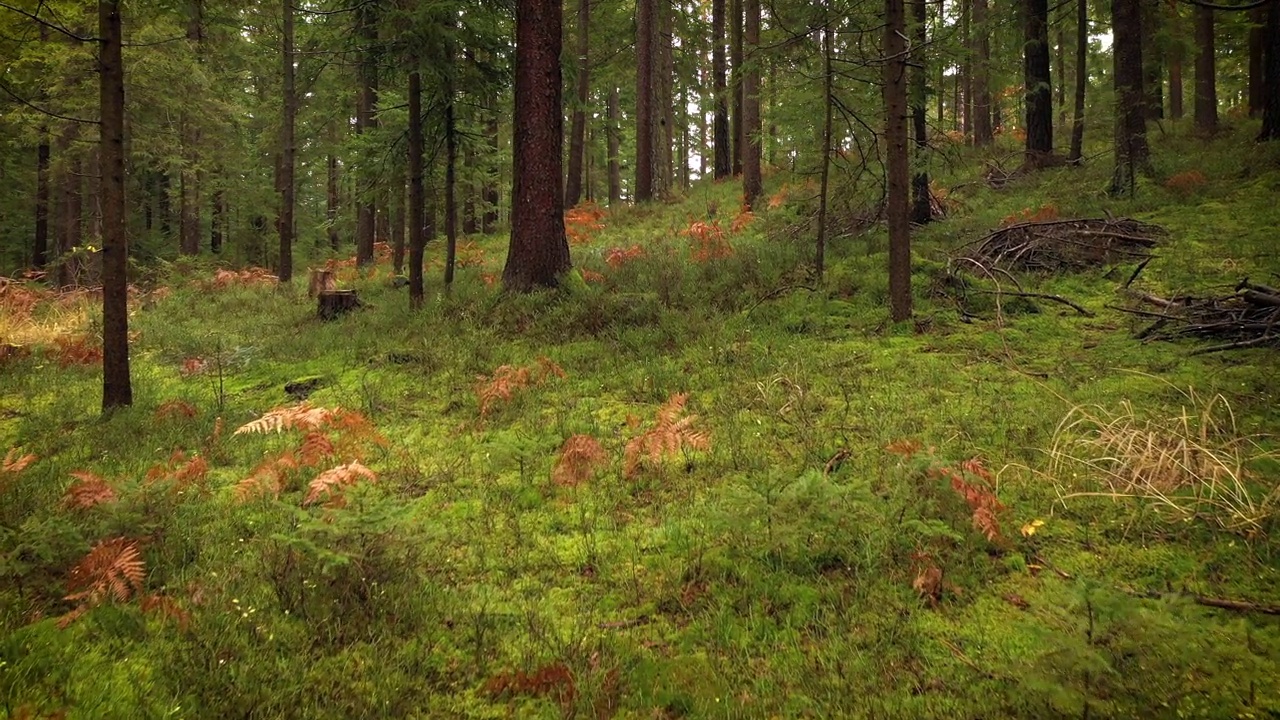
335, 303
322, 281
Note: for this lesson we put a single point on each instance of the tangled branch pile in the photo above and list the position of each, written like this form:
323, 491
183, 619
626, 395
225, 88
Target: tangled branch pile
1062, 245
1249, 317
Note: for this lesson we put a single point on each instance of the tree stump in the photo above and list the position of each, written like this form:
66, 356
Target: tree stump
322, 281
335, 303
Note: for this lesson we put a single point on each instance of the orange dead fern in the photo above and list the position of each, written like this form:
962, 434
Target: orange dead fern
113, 571
507, 380
330, 483
581, 222
554, 681
671, 433
175, 409
267, 479
579, 459
89, 490
619, 256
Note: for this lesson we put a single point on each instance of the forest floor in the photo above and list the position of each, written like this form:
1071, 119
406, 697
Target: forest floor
787, 507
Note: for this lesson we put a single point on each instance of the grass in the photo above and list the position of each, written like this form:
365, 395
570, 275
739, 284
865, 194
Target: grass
774, 570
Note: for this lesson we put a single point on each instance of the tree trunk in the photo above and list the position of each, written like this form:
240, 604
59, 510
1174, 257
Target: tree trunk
417, 204
666, 120
828, 100
1206, 80
1082, 80
646, 30
922, 205
1257, 63
898, 190
1132, 154
489, 221
367, 121
217, 221
331, 201
735, 80
578, 131
1271, 67
1152, 60
40, 243
451, 175
723, 152
965, 78
613, 143
188, 176
752, 184
70, 208
397, 226
982, 131
285, 221
1060, 87
1039, 146
539, 252
1175, 82
117, 391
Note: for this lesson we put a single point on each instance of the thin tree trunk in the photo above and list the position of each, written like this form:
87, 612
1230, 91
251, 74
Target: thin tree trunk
417, 204
613, 149
1257, 64
1082, 80
1271, 67
287, 200
117, 390
1206, 81
70, 208
40, 242
965, 106
539, 251
922, 205
646, 30
489, 220
1132, 154
331, 195
752, 184
898, 191
723, 152
982, 132
1175, 84
217, 220
164, 206
735, 81
451, 177
397, 226
664, 120
578, 130
828, 100
1039, 146
367, 121
1060, 87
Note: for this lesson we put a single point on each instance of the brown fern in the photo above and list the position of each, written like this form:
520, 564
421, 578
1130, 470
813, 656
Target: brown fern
175, 409
579, 459
330, 483
553, 681
90, 490
507, 380
984, 507
304, 417
316, 447
166, 608
671, 433
15, 462
266, 479
112, 571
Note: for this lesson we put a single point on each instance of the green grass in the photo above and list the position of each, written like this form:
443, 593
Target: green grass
770, 576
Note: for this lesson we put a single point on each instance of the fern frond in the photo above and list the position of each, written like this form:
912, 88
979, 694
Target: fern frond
331, 482
113, 570
15, 462
266, 479
579, 458
90, 490
166, 607
670, 434
174, 409
315, 448
278, 420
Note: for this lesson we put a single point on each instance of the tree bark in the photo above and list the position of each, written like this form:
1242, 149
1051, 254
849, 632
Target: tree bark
451, 175
287, 200
898, 190
752, 184
828, 101
1039, 145
735, 81
646, 31
40, 242
1152, 60
1271, 68
367, 121
539, 251
117, 390
1082, 80
217, 221
489, 220
397, 225
922, 204
1175, 83
1257, 39
965, 79
417, 204
1206, 109
723, 152
331, 193
982, 131
70, 207
613, 143
1132, 154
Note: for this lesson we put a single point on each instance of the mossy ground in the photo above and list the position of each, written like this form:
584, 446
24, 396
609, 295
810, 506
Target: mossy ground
757, 579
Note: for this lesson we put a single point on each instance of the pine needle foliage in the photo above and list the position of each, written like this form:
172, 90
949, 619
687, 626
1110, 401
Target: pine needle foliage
672, 433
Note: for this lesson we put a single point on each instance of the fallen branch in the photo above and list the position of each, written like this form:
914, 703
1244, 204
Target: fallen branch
1040, 296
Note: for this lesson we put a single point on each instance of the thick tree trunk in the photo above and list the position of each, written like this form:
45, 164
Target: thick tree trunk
1206, 74
735, 81
1271, 68
577, 132
646, 32
982, 132
40, 242
752, 184
1132, 154
665, 108
417, 205
1257, 82
217, 221
367, 121
898, 191
613, 148
1039, 146
723, 151
539, 252
117, 390
921, 202
1152, 60
1175, 84
1082, 80
287, 200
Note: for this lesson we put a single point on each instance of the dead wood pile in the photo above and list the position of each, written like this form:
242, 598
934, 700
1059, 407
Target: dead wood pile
1058, 246
1249, 317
